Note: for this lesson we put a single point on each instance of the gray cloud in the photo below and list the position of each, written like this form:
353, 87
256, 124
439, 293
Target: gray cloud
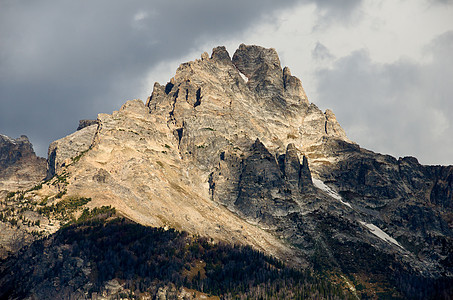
331, 12
441, 1
335, 9
402, 108
67, 60
321, 53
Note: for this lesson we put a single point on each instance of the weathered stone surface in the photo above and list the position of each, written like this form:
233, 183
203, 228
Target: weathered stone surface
20, 168
221, 54
86, 123
293, 88
292, 167
11, 150
262, 67
333, 128
305, 180
62, 152
262, 187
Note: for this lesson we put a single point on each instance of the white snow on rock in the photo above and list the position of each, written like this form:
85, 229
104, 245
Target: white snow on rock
243, 76
371, 227
380, 234
322, 186
8, 139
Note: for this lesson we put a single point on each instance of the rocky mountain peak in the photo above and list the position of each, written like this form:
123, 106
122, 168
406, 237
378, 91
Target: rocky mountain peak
252, 86
265, 75
11, 150
19, 166
221, 54
253, 60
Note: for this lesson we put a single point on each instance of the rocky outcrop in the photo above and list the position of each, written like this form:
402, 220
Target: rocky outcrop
63, 151
86, 123
263, 192
411, 200
12, 150
297, 174
220, 54
20, 168
266, 78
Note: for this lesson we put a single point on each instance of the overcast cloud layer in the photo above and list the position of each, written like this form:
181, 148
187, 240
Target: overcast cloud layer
384, 67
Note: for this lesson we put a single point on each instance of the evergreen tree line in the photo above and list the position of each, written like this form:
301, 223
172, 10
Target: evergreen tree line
145, 258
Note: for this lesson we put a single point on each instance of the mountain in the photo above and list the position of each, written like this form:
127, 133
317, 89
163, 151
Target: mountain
231, 149
20, 168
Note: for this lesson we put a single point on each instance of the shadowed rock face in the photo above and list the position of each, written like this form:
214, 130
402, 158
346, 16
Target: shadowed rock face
266, 78
297, 174
412, 201
86, 123
263, 191
232, 149
221, 54
20, 168
12, 150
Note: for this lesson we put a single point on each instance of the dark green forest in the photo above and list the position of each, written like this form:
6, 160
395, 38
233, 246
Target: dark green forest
83, 256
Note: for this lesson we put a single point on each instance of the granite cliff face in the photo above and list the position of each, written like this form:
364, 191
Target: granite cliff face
231, 149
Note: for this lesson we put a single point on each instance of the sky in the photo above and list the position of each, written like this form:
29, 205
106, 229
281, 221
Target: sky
385, 68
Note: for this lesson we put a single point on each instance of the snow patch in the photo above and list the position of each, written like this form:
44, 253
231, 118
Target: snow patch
381, 234
8, 139
243, 76
322, 186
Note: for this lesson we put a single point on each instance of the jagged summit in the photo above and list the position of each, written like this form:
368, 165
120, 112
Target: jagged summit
220, 54
261, 70
231, 149
251, 92
11, 150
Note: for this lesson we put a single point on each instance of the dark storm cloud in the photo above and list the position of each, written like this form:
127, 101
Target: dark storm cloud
402, 108
61, 61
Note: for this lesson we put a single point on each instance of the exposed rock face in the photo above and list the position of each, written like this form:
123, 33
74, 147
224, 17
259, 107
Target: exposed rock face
297, 174
232, 149
20, 168
11, 150
262, 188
63, 151
216, 115
266, 78
86, 123
412, 201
